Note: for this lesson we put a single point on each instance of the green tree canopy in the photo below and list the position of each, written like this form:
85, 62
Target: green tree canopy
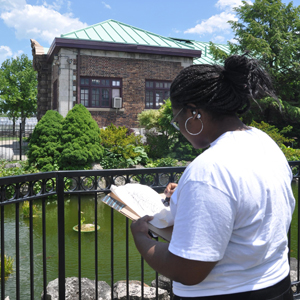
270, 30
18, 88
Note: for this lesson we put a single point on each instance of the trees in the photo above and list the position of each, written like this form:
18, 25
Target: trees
44, 146
270, 30
70, 143
163, 140
80, 140
18, 88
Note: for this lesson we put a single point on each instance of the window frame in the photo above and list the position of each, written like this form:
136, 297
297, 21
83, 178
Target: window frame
90, 88
154, 89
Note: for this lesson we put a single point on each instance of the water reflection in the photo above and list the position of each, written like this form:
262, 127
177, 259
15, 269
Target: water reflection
88, 204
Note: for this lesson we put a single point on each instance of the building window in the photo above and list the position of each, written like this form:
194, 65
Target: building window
156, 92
98, 92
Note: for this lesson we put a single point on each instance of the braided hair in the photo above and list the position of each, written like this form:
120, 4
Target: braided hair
222, 90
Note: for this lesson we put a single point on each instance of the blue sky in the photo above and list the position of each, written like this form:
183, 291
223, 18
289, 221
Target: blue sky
201, 20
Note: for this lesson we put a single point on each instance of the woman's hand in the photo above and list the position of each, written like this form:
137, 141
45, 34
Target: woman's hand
169, 190
140, 226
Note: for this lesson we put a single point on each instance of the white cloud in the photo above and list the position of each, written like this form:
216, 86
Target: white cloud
56, 5
18, 53
233, 41
218, 39
11, 4
218, 22
106, 5
213, 24
40, 22
176, 30
69, 4
5, 52
229, 4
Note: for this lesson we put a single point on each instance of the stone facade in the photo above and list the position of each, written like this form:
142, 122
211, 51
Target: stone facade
133, 72
65, 68
44, 71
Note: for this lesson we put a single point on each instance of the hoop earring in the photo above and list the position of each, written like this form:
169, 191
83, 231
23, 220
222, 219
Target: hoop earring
189, 131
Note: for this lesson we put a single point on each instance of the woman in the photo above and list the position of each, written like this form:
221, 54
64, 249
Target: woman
233, 204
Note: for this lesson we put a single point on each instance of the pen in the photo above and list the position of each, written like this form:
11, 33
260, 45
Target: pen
166, 202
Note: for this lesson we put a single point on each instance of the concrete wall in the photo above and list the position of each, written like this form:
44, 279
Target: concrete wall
63, 69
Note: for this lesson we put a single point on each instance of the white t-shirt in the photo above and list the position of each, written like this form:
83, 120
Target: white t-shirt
234, 204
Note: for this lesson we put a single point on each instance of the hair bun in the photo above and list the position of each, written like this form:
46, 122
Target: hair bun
224, 89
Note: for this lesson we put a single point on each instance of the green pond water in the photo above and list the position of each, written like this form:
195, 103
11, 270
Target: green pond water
71, 246
87, 245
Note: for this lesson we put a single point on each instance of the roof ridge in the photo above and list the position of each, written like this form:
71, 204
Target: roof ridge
149, 34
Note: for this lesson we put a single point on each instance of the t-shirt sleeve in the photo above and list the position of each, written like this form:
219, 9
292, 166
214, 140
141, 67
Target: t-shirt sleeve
203, 222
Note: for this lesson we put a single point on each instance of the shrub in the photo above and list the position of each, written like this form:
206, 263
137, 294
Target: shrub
163, 140
157, 145
112, 160
44, 146
163, 162
8, 264
183, 150
148, 119
122, 148
80, 140
290, 153
276, 134
24, 169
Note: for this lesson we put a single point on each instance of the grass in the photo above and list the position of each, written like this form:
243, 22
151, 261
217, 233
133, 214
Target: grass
8, 265
7, 138
26, 210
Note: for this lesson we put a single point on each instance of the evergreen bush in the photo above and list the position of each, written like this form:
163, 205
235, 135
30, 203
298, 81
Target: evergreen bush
44, 146
80, 140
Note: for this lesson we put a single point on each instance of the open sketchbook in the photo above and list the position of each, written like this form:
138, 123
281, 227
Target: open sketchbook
135, 200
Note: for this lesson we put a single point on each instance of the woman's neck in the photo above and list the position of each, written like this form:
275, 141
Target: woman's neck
228, 123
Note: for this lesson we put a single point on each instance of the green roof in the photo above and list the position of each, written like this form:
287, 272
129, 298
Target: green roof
117, 32
206, 57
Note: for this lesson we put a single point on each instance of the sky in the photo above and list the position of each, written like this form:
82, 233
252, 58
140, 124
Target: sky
201, 20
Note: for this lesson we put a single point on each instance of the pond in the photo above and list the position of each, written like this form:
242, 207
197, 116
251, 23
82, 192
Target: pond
87, 245
71, 246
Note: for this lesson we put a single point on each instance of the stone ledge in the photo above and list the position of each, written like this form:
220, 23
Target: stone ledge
106, 109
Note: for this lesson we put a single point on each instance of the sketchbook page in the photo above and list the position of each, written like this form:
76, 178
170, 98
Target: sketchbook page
145, 201
116, 203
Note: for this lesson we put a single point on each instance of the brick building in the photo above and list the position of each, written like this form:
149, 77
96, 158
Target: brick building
114, 69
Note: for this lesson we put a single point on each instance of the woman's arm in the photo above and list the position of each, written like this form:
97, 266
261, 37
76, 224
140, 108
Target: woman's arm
157, 255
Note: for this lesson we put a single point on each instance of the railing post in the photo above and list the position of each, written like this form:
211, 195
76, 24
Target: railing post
20, 135
298, 241
61, 235
2, 255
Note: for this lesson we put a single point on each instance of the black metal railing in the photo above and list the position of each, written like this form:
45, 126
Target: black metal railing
61, 184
